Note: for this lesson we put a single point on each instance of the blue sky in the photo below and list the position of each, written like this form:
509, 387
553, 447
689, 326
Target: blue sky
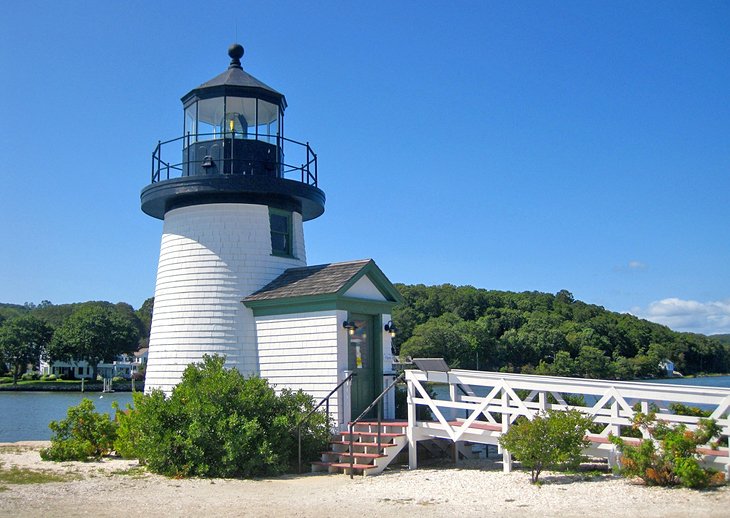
506, 145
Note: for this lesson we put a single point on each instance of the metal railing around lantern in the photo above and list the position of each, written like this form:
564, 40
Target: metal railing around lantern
173, 158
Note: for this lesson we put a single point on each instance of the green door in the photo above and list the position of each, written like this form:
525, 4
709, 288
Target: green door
361, 360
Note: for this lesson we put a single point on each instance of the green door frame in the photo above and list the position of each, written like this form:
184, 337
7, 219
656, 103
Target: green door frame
376, 379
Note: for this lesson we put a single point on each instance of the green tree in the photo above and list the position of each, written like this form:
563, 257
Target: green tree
23, 340
94, 333
438, 338
552, 440
592, 363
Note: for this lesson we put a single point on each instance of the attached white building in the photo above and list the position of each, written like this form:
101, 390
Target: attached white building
315, 325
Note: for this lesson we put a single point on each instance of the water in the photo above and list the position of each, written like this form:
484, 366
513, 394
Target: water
24, 416
442, 391
708, 381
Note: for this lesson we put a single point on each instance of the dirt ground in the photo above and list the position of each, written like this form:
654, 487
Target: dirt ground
114, 487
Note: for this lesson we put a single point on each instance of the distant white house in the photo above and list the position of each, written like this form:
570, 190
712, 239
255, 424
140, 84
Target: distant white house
124, 366
667, 365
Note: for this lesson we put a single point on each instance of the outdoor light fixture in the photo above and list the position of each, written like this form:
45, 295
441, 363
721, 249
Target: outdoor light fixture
207, 162
350, 326
390, 328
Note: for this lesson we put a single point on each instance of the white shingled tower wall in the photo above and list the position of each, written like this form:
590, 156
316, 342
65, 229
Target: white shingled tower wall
211, 257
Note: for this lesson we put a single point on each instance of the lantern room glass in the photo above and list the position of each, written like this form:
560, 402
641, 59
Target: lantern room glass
232, 117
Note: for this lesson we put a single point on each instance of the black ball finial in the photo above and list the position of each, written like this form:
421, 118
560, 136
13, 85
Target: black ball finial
235, 52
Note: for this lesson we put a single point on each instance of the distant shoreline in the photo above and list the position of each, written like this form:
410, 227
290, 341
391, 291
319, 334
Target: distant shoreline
52, 386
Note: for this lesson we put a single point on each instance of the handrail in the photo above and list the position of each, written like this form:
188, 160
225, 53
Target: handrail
304, 162
380, 415
326, 401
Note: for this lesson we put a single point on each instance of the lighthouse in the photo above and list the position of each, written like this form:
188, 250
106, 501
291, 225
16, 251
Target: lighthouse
233, 193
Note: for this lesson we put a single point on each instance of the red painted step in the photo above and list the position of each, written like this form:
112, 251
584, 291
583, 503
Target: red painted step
366, 444
341, 465
373, 434
356, 454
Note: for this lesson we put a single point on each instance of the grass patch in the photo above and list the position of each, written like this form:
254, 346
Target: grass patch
134, 472
16, 475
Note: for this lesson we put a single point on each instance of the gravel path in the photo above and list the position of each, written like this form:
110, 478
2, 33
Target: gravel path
114, 487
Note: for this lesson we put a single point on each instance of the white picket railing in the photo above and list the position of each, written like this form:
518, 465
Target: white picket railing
480, 406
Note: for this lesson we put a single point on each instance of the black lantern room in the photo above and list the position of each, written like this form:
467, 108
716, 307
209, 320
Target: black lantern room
233, 150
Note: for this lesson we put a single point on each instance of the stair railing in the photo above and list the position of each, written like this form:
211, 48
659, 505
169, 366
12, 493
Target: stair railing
325, 401
378, 401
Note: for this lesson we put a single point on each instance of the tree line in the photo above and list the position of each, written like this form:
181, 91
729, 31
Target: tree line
94, 331
542, 333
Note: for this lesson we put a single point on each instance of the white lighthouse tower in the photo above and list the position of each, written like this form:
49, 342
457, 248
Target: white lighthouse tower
233, 193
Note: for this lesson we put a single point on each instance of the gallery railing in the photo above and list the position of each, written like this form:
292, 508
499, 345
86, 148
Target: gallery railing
234, 154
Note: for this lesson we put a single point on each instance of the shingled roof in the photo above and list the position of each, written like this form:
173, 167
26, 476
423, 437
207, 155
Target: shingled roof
322, 279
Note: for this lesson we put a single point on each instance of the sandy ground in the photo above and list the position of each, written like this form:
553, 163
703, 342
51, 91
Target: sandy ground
116, 487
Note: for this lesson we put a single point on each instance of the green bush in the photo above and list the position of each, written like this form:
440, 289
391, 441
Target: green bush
117, 378
680, 409
675, 460
52, 377
6, 379
84, 434
552, 440
129, 429
31, 376
216, 423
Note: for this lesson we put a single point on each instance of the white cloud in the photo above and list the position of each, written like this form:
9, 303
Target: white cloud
631, 266
637, 265
688, 315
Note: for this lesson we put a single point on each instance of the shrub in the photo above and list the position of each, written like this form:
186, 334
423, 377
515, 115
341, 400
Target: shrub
84, 434
52, 377
6, 379
680, 409
675, 461
129, 429
216, 423
31, 376
552, 440
117, 378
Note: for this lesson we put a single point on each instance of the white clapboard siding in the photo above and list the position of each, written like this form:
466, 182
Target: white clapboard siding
299, 351
211, 257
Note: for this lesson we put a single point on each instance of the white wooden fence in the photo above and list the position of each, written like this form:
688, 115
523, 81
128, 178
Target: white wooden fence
475, 401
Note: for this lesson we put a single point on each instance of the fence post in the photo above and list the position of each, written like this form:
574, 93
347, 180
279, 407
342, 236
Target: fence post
410, 432
506, 456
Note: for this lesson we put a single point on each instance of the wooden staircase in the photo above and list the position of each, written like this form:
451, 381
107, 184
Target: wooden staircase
367, 458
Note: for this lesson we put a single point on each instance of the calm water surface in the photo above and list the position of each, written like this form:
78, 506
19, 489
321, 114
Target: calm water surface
24, 416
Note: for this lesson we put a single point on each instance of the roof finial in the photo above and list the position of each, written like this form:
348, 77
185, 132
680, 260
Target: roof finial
235, 51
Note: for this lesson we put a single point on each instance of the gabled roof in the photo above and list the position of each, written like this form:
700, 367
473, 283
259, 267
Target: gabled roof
323, 281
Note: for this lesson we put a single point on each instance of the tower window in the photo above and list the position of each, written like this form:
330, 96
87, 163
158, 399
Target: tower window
280, 222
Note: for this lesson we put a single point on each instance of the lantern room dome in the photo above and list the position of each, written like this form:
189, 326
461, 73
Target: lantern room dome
235, 82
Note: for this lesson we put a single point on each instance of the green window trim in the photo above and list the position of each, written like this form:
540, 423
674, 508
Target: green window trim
280, 225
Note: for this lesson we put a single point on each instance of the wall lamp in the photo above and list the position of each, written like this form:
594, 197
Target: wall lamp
207, 162
350, 326
390, 328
